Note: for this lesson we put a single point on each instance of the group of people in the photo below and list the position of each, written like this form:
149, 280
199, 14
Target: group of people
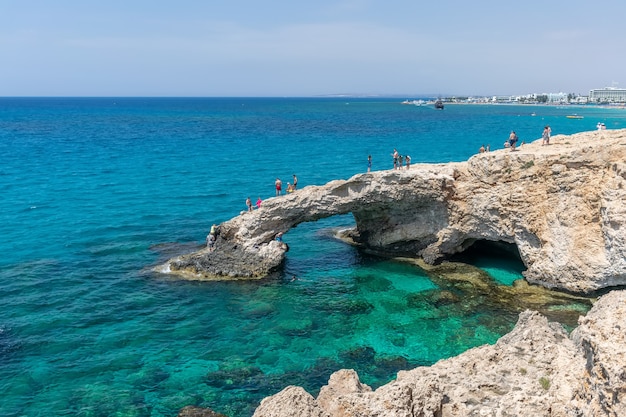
249, 203
278, 184
399, 160
511, 142
212, 236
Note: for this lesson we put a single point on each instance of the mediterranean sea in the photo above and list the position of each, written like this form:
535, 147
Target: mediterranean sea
97, 191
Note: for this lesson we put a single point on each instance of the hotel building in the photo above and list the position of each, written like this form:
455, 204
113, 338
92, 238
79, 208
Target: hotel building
607, 94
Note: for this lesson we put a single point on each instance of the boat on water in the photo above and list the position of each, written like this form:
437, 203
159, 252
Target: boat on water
414, 102
439, 105
574, 116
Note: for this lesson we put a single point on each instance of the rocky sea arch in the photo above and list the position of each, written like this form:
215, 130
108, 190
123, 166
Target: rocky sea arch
560, 205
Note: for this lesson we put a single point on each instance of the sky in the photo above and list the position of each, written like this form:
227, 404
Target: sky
292, 48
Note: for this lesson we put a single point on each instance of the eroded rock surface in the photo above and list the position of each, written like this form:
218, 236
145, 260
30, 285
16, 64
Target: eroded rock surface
562, 205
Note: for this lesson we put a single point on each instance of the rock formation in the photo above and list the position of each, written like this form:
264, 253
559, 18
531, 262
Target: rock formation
562, 205
536, 370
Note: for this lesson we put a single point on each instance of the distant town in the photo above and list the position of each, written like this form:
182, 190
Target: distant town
599, 96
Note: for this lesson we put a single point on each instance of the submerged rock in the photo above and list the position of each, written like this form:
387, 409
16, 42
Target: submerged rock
198, 412
535, 370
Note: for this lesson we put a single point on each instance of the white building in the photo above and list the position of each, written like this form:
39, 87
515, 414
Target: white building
557, 97
607, 94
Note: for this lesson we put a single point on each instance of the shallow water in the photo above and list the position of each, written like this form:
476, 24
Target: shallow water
97, 191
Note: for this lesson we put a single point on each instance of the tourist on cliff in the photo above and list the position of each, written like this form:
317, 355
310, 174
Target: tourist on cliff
482, 149
395, 155
249, 204
408, 161
258, 203
211, 238
279, 186
210, 242
369, 163
513, 140
290, 188
295, 182
545, 136
400, 161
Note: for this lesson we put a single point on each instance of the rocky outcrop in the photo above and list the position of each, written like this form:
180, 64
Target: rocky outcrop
536, 370
561, 205
601, 337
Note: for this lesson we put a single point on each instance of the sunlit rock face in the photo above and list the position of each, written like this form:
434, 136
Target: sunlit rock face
562, 205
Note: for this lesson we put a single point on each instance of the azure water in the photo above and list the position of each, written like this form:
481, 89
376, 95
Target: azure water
96, 191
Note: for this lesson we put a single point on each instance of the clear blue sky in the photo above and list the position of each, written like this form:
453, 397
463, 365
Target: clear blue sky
309, 48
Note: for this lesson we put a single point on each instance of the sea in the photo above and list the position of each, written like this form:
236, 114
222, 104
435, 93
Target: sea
96, 192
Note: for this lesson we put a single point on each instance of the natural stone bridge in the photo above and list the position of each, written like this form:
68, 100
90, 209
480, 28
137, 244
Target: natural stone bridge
562, 205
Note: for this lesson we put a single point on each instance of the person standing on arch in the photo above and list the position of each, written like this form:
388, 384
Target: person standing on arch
295, 182
279, 186
513, 140
545, 136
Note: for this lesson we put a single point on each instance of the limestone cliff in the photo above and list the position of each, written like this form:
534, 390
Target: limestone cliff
562, 205
536, 370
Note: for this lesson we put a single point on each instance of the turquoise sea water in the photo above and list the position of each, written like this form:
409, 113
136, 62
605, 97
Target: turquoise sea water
97, 191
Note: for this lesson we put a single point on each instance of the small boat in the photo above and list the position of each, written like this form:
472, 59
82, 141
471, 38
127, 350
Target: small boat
574, 116
414, 102
439, 105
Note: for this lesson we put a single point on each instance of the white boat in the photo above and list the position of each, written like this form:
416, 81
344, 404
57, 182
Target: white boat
414, 102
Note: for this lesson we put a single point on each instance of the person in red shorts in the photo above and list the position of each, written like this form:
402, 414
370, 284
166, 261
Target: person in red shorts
279, 186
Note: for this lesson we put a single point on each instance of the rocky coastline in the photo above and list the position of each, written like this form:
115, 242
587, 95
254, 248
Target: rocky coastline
561, 206
535, 370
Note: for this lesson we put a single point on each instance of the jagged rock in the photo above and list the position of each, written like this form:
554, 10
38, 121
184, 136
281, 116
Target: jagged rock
535, 370
294, 401
228, 262
561, 205
601, 337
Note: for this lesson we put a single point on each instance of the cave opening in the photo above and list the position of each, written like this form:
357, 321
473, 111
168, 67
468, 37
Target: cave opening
500, 259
